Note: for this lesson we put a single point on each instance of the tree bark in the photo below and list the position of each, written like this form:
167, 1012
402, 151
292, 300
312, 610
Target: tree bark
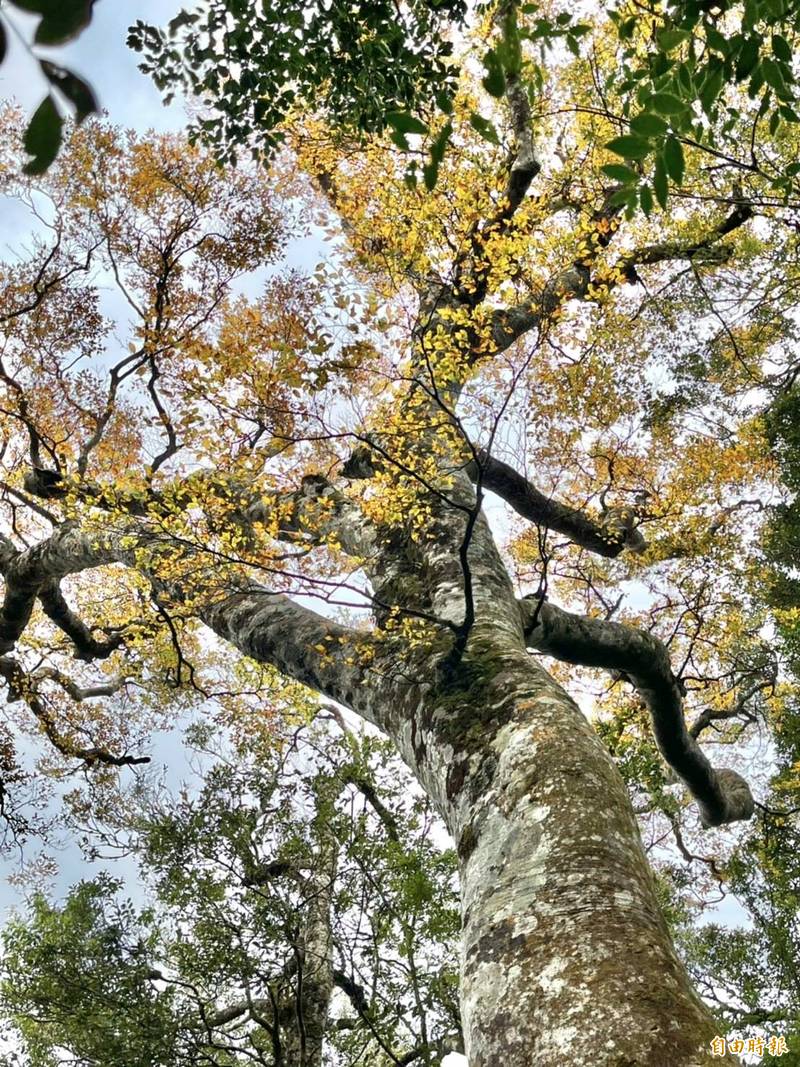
565, 955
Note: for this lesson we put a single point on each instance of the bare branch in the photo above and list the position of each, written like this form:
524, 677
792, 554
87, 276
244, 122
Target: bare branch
614, 533
722, 795
21, 686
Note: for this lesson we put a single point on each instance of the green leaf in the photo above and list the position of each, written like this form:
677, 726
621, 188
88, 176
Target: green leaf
629, 147
430, 173
400, 140
43, 136
404, 122
673, 159
646, 199
445, 103
74, 89
495, 81
685, 80
626, 197
646, 124
748, 57
626, 28
62, 21
666, 103
756, 81
717, 41
660, 183
620, 173
484, 128
710, 90
781, 48
773, 75
440, 144
670, 39
183, 18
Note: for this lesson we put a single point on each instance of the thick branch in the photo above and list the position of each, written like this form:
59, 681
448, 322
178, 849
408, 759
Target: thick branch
721, 794
607, 538
711, 715
270, 627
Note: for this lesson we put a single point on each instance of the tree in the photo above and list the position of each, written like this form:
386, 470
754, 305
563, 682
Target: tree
293, 877
335, 439
366, 67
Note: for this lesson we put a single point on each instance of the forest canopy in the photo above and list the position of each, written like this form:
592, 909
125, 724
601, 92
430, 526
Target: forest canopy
512, 439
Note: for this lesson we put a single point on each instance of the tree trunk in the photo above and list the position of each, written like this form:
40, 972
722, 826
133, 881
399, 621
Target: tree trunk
565, 955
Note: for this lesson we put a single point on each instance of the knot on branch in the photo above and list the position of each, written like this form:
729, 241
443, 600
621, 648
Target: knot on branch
360, 465
44, 483
738, 803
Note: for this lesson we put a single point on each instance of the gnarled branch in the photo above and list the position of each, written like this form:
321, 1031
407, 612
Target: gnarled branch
22, 686
608, 537
722, 795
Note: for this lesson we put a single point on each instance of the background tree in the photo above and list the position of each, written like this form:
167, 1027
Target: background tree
335, 438
296, 896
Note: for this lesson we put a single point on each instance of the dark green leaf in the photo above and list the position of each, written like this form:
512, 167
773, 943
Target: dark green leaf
781, 48
660, 183
673, 159
63, 21
43, 137
710, 90
646, 124
646, 199
748, 57
669, 39
74, 89
626, 28
627, 197
756, 82
495, 81
440, 144
667, 103
620, 173
430, 173
717, 41
183, 18
444, 103
404, 122
774, 76
484, 128
629, 147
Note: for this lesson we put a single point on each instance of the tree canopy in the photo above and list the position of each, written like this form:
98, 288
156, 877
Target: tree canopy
248, 496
